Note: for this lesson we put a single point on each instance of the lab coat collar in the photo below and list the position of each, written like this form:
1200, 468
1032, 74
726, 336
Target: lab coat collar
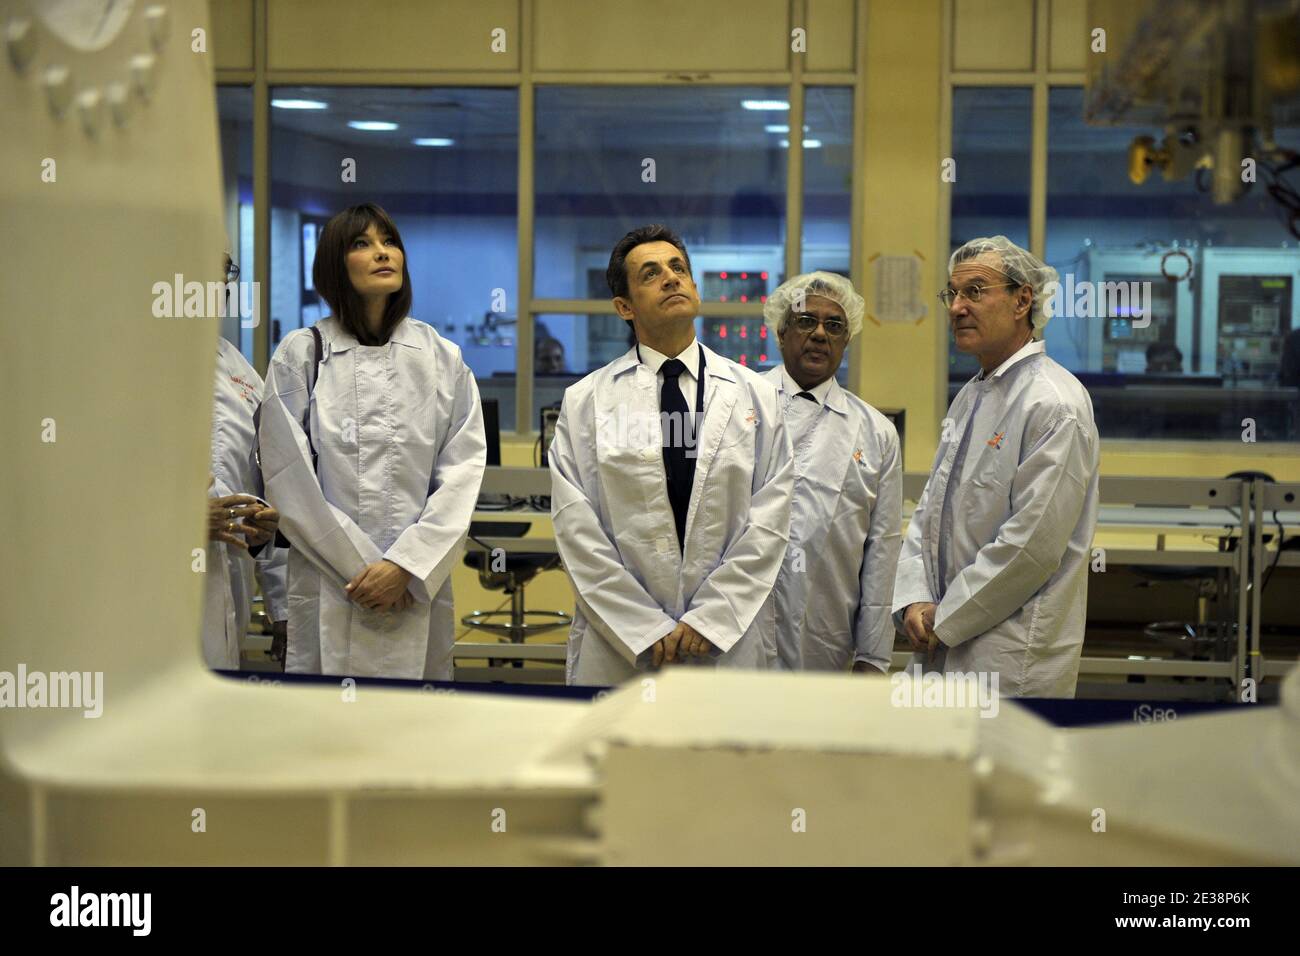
627, 360
405, 334
714, 366
689, 356
827, 393
339, 339
1031, 348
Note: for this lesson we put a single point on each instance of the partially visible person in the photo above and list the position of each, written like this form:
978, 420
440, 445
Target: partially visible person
548, 357
1164, 358
241, 525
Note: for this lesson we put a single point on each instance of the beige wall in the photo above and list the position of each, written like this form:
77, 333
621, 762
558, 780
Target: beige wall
904, 365
564, 35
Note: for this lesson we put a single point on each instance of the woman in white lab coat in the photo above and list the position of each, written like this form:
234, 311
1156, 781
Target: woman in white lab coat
372, 448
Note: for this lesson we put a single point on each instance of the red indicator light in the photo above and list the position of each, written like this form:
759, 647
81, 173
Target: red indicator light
762, 331
744, 332
722, 275
744, 298
762, 275
762, 298
722, 331
763, 357
744, 275
744, 360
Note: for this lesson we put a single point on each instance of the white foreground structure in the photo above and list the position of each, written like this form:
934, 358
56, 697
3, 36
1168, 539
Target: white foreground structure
105, 402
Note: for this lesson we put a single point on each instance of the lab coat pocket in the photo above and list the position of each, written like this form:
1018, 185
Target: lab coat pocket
858, 494
740, 430
631, 473
726, 458
985, 503
992, 482
995, 470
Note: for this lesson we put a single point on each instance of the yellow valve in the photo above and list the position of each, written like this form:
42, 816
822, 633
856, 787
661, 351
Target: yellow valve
1144, 154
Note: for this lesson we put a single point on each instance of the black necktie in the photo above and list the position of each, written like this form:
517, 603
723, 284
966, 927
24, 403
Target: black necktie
679, 435
808, 395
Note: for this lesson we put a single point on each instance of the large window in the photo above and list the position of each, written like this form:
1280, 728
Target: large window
1194, 345
990, 190
567, 347
444, 164
702, 161
827, 178
709, 161
1174, 310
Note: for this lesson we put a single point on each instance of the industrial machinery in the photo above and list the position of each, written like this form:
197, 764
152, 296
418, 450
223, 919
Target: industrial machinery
1216, 75
1225, 310
1117, 343
1251, 297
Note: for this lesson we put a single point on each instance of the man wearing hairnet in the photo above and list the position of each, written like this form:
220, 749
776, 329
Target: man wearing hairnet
993, 575
834, 592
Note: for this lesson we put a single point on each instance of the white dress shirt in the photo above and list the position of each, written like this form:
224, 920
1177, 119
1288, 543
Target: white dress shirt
792, 388
687, 381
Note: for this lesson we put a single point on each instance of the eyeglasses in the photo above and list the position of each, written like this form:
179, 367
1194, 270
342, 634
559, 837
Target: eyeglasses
232, 271
972, 293
807, 324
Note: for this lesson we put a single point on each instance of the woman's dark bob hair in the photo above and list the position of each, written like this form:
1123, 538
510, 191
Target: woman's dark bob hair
329, 272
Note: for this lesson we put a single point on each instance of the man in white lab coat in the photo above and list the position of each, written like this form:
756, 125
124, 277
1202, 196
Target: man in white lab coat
993, 575
671, 476
835, 592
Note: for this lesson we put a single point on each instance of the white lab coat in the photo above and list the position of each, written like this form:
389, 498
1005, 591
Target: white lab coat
834, 596
399, 433
273, 576
1002, 543
230, 571
614, 524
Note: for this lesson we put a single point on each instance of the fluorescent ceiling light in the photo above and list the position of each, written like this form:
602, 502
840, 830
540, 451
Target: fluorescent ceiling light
807, 144
765, 104
779, 128
372, 125
298, 104
433, 141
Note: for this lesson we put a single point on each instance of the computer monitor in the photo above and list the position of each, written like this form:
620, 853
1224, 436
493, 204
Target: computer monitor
492, 429
550, 414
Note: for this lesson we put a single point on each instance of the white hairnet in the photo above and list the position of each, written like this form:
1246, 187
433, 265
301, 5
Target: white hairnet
828, 285
1018, 265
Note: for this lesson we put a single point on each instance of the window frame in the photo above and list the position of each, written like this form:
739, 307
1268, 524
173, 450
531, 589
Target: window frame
795, 80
